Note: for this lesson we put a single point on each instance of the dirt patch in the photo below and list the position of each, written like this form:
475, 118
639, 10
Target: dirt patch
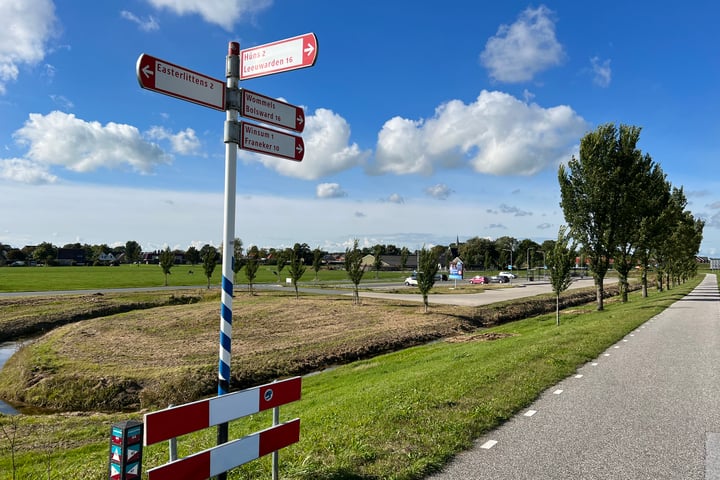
479, 337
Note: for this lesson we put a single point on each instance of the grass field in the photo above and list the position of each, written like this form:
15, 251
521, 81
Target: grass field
396, 416
34, 279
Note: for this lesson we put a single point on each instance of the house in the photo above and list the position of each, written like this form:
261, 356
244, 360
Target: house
71, 256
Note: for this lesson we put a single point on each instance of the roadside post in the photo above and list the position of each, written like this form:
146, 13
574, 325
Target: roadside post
126, 444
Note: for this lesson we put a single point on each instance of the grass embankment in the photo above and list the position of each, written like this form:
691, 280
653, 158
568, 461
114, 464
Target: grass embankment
28, 316
149, 358
396, 416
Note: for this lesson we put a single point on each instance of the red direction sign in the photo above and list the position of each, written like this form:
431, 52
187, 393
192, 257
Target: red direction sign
271, 142
281, 56
272, 111
179, 82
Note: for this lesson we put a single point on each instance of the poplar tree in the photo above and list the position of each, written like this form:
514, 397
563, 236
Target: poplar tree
354, 269
560, 260
427, 269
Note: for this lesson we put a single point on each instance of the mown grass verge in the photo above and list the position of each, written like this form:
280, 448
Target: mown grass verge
397, 416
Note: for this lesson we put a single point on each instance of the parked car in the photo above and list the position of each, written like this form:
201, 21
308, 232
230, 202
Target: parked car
509, 275
499, 279
479, 279
412, 280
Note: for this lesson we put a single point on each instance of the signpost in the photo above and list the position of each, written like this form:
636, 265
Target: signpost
269, 110
281, 56
179, 82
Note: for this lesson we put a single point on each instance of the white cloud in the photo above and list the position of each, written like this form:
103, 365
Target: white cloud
24, 171
224, 13
62, 139
27, 27
62, 102
439, 191
602, 71
327, 149
330, 190
184, 142
518, 51
497, 134
395, 198
147, 25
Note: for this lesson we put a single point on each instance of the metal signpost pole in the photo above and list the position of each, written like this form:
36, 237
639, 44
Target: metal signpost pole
233, 75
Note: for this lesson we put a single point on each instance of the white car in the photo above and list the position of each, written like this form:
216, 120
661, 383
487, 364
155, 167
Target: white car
411, 281
507, 274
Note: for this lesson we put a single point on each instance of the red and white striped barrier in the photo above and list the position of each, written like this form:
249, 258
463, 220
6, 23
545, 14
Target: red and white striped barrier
216, 460
181, 420
191, 417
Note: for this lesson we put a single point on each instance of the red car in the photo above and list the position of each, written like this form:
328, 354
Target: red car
479, 279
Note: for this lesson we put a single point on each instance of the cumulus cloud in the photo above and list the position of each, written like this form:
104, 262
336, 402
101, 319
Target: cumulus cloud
28, 26
146, 25
184, 142
439, 191
497, 134
224, 13
62, 139
544, 226
327, 149
24, 171
602, 72
330, 190
518, 51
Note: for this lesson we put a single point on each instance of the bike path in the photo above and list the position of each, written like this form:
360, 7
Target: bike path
647, 408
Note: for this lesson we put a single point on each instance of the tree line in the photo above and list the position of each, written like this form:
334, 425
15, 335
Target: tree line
622, 210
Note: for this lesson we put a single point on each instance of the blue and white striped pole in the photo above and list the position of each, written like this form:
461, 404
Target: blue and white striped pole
233, 77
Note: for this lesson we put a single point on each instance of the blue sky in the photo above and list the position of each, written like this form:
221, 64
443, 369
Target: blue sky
424, 121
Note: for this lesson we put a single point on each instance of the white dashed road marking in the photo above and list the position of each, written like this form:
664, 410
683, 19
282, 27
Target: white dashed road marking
557, 392
530, 413
489, 444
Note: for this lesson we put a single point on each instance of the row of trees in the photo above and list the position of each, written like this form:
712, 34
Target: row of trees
621, 208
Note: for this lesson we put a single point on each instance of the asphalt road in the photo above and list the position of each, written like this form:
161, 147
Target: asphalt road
647, 408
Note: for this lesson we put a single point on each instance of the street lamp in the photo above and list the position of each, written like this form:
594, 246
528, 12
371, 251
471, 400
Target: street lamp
528, 263
511, 261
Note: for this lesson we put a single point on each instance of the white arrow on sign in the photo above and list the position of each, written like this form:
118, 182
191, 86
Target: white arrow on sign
147, 71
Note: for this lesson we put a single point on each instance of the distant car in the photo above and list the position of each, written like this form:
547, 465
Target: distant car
507, 274
411, 281
479, 279
499, 279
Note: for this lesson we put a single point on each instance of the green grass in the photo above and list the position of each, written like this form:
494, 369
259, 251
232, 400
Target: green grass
398, 416
35, 279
